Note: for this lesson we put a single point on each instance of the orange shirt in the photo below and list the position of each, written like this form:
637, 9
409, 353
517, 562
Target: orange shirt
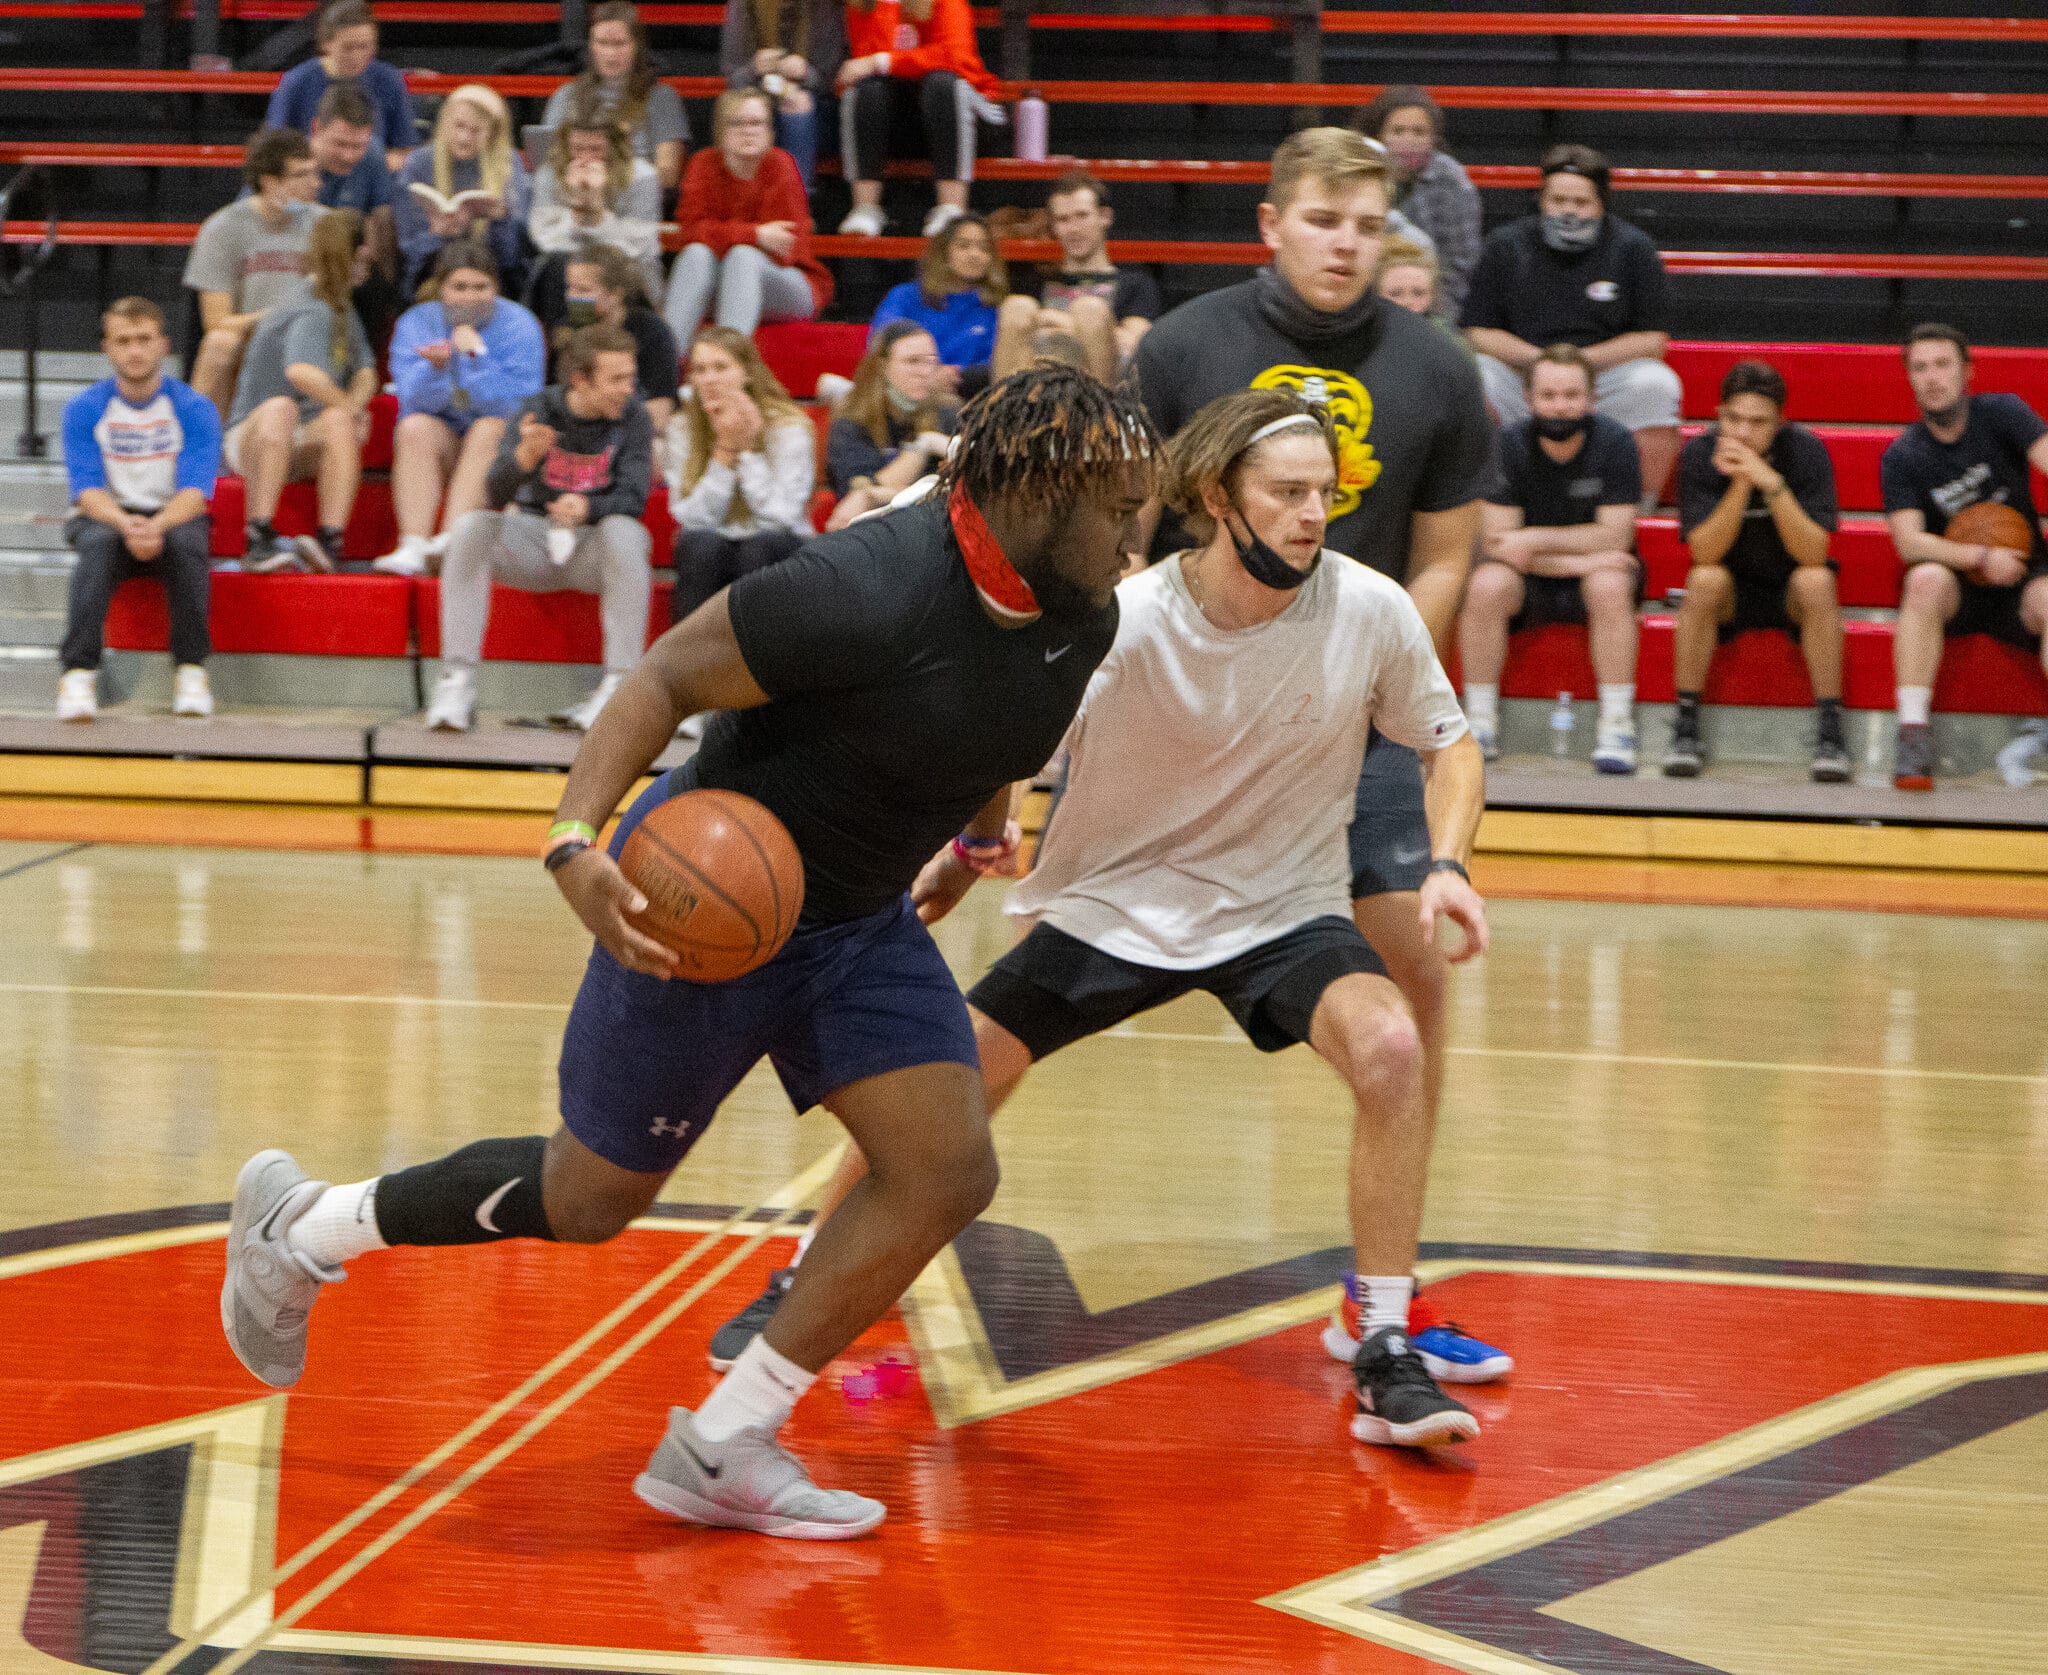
944, 41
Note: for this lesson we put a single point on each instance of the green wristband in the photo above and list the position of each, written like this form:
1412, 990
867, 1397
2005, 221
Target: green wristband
572, 828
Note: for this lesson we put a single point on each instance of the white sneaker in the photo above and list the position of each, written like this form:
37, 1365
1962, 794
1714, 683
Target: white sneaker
1614, 749
561, 544
408, 558
941, 217
1486, 734
191, 693
78, 695
454, 707
833, 389
583, 716
437, 546
270, 1286
749, 1482
864, 221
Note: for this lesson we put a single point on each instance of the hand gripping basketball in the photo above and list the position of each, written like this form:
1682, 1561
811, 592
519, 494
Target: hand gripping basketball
602, 898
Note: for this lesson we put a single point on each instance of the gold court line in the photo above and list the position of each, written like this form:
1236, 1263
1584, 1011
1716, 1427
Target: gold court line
1118, 1033
798, 1188
611, 1659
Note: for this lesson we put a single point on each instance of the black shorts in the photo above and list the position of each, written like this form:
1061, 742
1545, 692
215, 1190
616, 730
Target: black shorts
1995, 611
1389, 831
1760, 602
1553, 599
1052, 989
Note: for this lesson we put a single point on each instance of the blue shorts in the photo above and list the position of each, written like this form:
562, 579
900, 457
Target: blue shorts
1389, 833
646, 1062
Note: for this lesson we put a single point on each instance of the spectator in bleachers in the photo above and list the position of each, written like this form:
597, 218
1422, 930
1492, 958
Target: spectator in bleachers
472, 151
601, 287
744, 467
353, 176
1431, 188
141, 450
1756, 505
1576, 273
746, 228
593, 190
1408, 275
894, 426
961, 282
905, 56
1966, 449
791, 50
619, 84
346, 34
462, 363
567, 491
1105, 308
1557, 544
301, 404
250, 254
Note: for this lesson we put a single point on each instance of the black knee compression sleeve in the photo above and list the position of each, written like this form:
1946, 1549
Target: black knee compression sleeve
488, 1190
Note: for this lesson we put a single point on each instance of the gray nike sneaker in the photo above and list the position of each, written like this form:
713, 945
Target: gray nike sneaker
270, 1286
748, 1482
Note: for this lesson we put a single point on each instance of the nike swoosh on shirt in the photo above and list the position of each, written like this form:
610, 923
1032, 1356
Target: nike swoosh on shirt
1055, 656
1408, 857
488, 1207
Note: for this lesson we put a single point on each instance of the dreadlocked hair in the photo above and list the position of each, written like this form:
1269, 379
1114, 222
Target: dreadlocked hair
1049, 435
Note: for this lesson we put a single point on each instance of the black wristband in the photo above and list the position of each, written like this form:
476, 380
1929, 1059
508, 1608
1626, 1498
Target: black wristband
563, 853
1446, 864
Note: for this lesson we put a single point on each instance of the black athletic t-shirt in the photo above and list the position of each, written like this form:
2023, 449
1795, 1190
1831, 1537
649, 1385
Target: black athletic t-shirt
1606, 471
1988, 461
1797, 455
1523, 286
897, 707
1412, 428
1132, 293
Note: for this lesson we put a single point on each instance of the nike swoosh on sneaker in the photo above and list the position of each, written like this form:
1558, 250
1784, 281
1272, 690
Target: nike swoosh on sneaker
489, 1206
1055, 656
703, 1465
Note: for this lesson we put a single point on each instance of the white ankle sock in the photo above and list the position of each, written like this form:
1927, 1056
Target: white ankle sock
762, 1389
341, 1225
1914, 704
1482, 703
1383, 1301
1617, 704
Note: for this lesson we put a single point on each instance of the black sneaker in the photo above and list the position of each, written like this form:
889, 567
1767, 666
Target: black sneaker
1398, 1402
730, 1341
1830, 751
1913, 759
1683, 759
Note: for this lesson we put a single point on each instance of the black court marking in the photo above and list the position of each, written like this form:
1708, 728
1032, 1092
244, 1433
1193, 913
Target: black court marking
698, 872
21, 867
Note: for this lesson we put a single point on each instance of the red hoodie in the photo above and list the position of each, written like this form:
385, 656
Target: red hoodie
720, 211
944, 41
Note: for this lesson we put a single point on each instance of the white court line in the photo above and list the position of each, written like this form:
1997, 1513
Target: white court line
1122, 1032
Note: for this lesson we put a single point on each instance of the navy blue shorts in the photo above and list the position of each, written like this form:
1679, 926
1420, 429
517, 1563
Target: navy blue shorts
646, 1062
1389, 832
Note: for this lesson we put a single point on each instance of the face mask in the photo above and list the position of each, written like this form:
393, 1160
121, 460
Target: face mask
465, 313
1563, 430
904, 404
582, 311
1570, 233
1412, 158
1261, 562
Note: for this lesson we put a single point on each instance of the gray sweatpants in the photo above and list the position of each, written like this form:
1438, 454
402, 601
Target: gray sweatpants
751, 286
610, 560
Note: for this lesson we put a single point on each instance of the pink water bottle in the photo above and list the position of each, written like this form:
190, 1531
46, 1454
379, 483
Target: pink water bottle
1031, 117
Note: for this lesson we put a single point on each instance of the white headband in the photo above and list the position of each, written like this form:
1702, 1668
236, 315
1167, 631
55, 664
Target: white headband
1265, 431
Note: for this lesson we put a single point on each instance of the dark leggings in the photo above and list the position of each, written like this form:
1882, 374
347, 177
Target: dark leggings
707, 561
104, 563
869, 114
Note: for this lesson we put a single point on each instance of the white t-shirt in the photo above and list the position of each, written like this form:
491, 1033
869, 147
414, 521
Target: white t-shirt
1212, 775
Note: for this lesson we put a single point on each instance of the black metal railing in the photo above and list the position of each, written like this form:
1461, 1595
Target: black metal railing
18, 281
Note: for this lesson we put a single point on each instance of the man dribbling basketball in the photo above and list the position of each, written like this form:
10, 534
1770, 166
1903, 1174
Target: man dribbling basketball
879, 692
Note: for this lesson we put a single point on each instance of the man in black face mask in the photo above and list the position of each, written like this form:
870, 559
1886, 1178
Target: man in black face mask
1575, 273
1558, 545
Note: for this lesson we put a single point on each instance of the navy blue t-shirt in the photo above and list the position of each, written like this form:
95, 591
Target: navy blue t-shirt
1988, 461
1606, 471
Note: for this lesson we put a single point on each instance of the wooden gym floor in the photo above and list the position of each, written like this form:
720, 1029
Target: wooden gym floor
1747, 1166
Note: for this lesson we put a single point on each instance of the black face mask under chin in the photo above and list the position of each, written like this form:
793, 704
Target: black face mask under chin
1563, 430
1262, 563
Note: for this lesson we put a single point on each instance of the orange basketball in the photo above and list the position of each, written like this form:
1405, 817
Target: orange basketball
1992, 523
723, 882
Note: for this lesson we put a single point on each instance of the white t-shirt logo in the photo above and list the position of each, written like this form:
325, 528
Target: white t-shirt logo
1603, 290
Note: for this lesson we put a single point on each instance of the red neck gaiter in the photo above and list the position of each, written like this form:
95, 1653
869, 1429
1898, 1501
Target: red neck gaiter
994, 577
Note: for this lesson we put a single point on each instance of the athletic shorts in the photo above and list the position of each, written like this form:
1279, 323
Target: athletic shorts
646, 1062
304, 439
1551, 599
1053, 989
1389, 832
1995, 611
1760, 603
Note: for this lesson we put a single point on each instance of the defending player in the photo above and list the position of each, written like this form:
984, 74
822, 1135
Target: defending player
1200, 842
878, 691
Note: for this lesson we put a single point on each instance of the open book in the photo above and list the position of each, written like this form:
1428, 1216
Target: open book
487, 201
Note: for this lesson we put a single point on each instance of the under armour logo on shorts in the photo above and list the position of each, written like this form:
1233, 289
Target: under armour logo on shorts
662, 1126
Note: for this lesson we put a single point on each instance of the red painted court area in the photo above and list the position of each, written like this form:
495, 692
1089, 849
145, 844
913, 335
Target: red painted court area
1134, 1526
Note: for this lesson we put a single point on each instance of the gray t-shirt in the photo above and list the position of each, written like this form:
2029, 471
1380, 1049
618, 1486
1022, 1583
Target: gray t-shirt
665, 119
299, 331
240, 253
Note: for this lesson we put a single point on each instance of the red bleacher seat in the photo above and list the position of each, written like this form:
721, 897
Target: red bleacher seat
533, 627
1856, 383
797, 351
1862, 550
305, 616
1855, 451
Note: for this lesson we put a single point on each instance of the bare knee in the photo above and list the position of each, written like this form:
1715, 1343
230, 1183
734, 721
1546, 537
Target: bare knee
1929, 590
1019, 314
1813, 588
1091, 314
1609, 591
422, 430
1375, 1046
275, 420
1495, 590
